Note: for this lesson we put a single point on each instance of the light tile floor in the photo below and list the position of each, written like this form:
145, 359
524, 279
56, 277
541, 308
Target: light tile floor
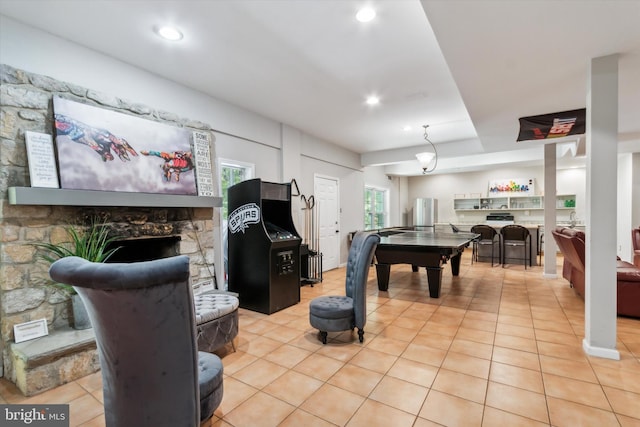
501, 347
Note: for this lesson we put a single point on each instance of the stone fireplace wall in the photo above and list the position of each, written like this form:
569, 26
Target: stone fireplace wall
26, 105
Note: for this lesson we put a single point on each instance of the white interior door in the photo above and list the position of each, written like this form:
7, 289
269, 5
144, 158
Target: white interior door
326, 196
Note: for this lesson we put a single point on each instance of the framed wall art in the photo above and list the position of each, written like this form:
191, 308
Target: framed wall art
100, 149
511, 187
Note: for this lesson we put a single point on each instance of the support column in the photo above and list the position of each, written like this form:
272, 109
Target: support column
549, 210
600, 257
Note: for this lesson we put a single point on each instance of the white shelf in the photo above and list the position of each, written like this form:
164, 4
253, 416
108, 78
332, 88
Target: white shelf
61, 197
505, 210
528, 203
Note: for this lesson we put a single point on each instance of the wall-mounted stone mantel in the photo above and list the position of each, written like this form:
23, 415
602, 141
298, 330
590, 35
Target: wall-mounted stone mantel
62, 197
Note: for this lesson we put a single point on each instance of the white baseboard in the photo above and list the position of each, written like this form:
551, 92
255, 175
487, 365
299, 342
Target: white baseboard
605, 353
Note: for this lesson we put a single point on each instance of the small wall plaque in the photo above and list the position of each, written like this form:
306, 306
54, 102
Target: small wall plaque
42, 162
30, 330
202, 287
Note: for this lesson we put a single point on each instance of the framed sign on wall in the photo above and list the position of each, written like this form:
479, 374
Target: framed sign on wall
42, 162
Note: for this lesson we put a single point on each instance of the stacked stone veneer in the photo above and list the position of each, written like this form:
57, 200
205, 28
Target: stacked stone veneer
26, 105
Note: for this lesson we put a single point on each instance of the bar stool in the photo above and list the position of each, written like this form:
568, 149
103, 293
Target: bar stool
487, 237
514, 236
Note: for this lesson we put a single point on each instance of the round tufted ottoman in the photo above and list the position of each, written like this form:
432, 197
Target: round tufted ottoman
210, 381
216, 320
331, 314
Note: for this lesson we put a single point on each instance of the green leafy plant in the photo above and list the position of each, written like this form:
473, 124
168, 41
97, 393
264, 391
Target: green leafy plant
91, 243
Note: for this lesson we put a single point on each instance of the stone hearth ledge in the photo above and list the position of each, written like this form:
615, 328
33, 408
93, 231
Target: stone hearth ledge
50, 361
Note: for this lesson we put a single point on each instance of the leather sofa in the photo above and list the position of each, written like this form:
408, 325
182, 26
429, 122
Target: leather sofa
635, 239
571, 243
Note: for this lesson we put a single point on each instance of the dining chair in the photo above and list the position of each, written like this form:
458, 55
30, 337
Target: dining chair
488, 237
516, 236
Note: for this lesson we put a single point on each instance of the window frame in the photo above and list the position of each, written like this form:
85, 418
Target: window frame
249, 169
372, 209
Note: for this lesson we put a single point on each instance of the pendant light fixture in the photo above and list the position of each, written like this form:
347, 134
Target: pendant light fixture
428, 157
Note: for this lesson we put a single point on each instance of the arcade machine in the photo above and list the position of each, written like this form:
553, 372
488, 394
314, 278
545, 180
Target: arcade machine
264, 247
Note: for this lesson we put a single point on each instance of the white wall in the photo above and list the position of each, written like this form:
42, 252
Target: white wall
240, 134
445, 187
265, 158
315, 148
39, 52
272, 146
573, 181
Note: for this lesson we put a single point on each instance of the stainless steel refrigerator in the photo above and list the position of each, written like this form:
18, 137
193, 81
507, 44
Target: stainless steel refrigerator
425, 212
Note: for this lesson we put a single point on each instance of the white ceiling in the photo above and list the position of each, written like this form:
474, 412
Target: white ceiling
468, 69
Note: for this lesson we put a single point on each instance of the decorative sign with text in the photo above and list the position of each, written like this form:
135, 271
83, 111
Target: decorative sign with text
42, 162
204, 175
202, 287
30, 330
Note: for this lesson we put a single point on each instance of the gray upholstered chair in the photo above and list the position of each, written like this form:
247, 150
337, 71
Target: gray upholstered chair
144, 321
342, 313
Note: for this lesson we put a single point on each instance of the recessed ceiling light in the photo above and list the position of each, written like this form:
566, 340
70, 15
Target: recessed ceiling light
373, 100
169, 33
406, 128
365, 14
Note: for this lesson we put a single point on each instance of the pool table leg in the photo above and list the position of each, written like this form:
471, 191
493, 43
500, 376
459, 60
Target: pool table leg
434, 277
383, 271
455, 264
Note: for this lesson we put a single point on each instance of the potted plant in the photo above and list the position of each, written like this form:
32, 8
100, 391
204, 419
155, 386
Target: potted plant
91, 243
